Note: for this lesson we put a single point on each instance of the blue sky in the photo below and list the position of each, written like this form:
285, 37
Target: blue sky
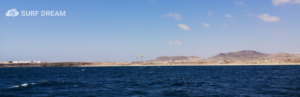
111, 30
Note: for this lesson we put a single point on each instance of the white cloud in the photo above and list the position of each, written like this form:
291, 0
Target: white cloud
249, 14
184, 27
278, 2
210, 13
268, 18
228, 16
297, 1
205, 25
240, 3
177, 42
174, 15
224, 25
170, 42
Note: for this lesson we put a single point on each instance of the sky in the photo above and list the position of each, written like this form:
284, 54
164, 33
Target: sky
123, 30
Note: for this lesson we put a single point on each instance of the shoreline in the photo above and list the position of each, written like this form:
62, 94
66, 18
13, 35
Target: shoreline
191, 65
131, 64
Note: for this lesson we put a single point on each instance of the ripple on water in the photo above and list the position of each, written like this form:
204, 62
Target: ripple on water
151, 81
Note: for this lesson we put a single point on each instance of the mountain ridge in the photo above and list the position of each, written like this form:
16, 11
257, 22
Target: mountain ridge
240, 55
237, 55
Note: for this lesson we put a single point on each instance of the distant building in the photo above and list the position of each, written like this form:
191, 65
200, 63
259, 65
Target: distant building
7, 62
37, 62
28, 61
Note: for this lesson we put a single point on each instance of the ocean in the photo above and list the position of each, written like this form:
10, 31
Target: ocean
152, 81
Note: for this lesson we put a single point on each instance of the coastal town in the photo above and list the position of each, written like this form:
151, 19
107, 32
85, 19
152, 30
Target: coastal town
10, 62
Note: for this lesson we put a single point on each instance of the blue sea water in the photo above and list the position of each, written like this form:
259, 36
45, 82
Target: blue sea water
153, 81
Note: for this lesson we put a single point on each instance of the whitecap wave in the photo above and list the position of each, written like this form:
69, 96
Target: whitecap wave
24, 85
15, 86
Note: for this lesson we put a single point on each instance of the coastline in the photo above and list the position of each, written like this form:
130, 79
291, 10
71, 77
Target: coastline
192, 65
129, 64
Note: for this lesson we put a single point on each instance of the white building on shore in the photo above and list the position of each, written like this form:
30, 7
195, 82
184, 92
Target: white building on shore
22, 62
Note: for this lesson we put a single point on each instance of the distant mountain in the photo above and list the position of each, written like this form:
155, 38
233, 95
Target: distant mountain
282, 56
176, 58
240, 55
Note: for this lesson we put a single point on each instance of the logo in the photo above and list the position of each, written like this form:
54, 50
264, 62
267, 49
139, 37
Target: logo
12, 13
29, 13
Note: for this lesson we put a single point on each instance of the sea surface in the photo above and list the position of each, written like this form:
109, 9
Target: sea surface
151, 81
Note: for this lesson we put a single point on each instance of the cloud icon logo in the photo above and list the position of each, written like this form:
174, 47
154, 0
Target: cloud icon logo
12, 13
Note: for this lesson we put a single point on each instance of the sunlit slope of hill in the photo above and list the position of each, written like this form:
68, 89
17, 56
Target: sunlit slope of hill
240, 55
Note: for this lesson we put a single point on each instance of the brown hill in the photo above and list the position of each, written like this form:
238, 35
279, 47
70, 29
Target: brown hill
176, 58
282, 56
239, 55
